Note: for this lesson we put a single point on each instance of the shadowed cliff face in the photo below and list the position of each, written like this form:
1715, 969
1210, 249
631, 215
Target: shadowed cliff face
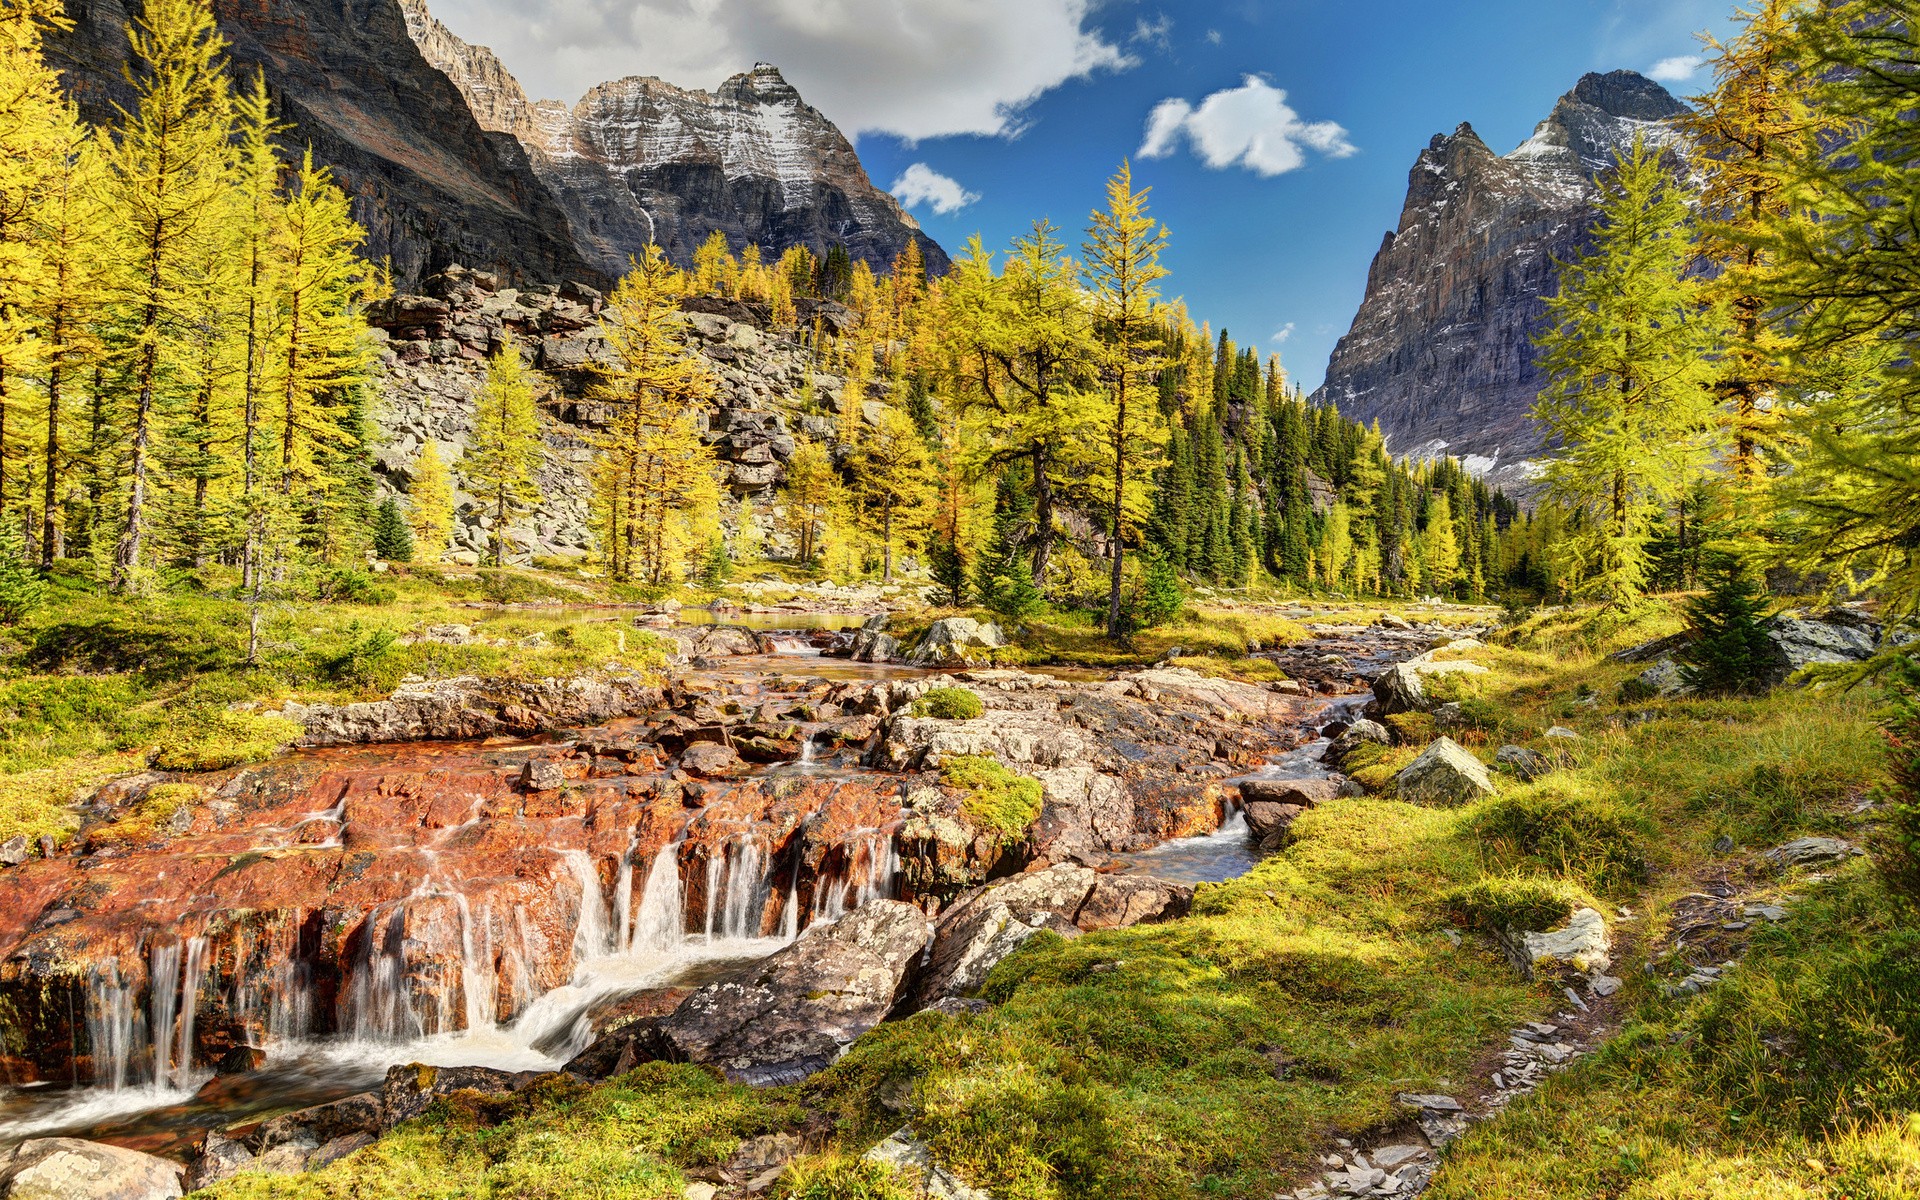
1441, 351
431, 186
639, 160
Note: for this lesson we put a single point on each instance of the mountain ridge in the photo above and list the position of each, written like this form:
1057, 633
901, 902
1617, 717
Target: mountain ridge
1440, 351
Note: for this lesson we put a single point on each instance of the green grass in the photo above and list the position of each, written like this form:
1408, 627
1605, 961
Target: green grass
997, 799
948, 704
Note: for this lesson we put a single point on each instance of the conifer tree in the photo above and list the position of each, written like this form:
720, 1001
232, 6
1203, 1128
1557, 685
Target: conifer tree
659, 470
257, 211
430, 503
812, 495
1627, 362
392, 540
891, 480
506, 450
168, 166
1729, 650
1440, 547
1123, 268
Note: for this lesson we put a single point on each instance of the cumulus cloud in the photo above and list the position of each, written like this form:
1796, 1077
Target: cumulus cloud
1678, 69
1281, 334
912, 68
1250, 126
921, 184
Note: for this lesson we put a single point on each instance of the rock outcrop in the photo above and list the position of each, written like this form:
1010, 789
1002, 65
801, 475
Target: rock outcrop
62, 1168
430, 185
791, 1014
638, 160
1445, 773
1440, 352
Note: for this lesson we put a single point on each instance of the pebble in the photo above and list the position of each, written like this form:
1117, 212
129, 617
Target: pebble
1771, 912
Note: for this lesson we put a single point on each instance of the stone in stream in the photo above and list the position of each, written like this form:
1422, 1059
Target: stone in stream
1397, 690
1444, 774
788, 1016
711, 760
1361, 732
1272, 805
67, 1168
412, 1088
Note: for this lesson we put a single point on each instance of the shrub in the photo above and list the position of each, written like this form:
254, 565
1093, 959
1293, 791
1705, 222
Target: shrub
948, 704
210, 739
343, 585
1499, 903
1160, 593
997, 799
1729, 652
949, 569
1591, 840
717, 568
21, 589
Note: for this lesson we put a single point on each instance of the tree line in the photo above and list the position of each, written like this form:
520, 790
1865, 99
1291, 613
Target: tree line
1731, 372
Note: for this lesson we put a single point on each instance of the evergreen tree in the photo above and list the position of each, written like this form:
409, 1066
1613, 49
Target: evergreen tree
1161, 596
718, 567
1124, 271
1002, 578
430, 503
891, 481
813, 492
21, 590
1627, 361
656, 471
506, 449
1729, 651
168, 166
392, 540
949, 569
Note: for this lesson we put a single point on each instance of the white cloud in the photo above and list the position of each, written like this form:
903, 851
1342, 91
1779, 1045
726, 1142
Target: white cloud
1251, 126
1678, 69
1281, 334
1214, 38
921, 184
912, 68
1157, 33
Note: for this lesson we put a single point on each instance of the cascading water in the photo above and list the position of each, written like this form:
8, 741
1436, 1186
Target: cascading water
592, 936
192, 969
871, 874
659, 924
110, 1021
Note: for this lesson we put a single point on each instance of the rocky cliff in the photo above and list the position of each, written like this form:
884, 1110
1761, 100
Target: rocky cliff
639, 160
431, 186
1441, 351
434, 344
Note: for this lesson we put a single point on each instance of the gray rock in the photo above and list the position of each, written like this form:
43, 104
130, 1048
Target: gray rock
911, 1157
1304, 792
221, 1158
1841, 636
68, 1168
791, 1014
1802, 851
1527, 765
1360, 732
1430, 1102
1664, 679
14, 850
955, 640
711, 760
1562, 733
1398, 690
1444, 774
412, 1088
473, 708
1582, 943
543, 775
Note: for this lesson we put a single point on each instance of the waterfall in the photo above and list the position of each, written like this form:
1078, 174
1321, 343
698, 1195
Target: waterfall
110, 1020
623, 898
790, 916
716, 863
478, 982
378, 1008
660, 924
832, 900
290, 1001
591, 937
192, 970
746, 893
883, 864
163, 1001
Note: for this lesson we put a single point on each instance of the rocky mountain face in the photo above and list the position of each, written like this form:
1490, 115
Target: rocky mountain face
431, 186
435, 343
1441, 351
639, 160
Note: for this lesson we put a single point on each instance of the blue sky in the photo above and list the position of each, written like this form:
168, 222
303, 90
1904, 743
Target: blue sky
1022, 108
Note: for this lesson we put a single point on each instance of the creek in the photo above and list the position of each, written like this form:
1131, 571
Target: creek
364, 907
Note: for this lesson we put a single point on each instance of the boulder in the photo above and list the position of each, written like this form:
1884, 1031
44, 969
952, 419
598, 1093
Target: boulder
1527, 765
66, 1168
1664, 679
955, 640
872, 643
1840, 636
909, 1156
1084, 815
1271, 824
1304, 792
1355, 735
711, 760
1397, 690
972, 939
790, 1014
1118, 901
412, 1088
14, 850
1444, 774
543, 775
1227, 698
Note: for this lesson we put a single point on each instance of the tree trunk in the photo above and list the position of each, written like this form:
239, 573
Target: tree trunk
1119, 496
1042, 514
126, 557
51, 528
886, 543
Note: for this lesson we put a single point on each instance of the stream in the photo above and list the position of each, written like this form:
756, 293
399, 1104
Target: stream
461, 970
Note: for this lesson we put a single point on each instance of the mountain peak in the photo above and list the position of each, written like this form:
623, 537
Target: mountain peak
1626, 94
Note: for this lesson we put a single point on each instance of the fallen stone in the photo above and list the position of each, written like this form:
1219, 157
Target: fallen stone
956, 641
1526, 765
1803, 851
1118, 901
412, 1088
1604, 985
1361, 732
1771, 912
1303, 792
791, 1013
1389, 1157
67, 1168
1444, 774
14, 850
1270, 824
1430, 1101
221, 1158
1562, 733
1664, 679
543, 775
1582, 943
1398, 690
1840, 636
911, 1157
